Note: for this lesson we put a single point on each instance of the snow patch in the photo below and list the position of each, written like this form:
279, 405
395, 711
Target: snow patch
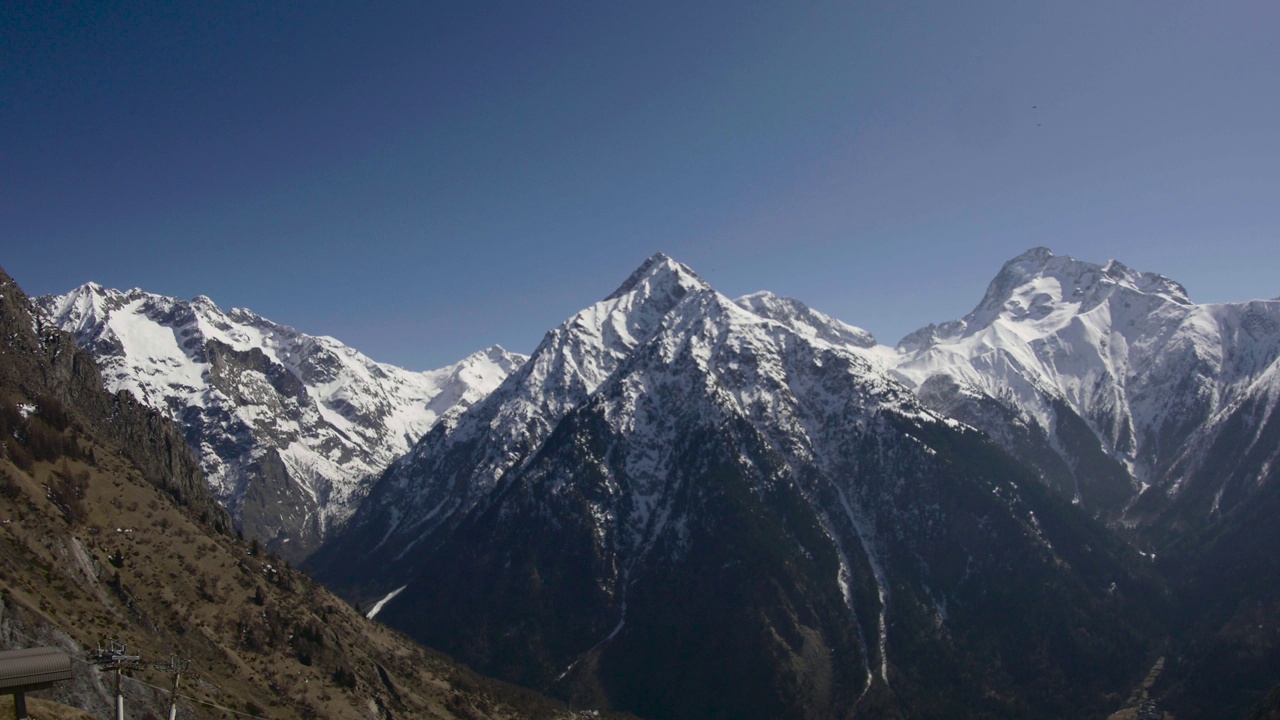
377, 607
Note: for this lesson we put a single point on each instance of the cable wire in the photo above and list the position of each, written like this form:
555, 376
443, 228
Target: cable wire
206, 703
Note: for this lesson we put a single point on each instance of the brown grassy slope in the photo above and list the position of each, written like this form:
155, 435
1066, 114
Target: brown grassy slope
263, 637
43, 710
98, 540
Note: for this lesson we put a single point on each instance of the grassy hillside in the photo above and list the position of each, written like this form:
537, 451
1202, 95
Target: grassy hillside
92, 551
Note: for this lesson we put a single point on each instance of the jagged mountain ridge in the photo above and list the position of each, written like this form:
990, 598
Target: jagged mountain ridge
290, 428
1155, 378
687, 506
1021, 368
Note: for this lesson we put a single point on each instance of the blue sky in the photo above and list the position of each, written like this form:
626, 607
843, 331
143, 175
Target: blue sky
421, 180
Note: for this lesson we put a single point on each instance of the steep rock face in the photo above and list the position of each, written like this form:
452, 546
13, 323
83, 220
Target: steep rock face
290, 429
1028, 442
1218, 534
1231, 457
685, 508
1105, 358
39, 360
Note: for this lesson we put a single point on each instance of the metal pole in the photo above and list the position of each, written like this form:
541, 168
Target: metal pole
20, 705
113, 657
173, 697
176, 666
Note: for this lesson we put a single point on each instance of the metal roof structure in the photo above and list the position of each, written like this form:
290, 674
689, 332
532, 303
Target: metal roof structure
22, 671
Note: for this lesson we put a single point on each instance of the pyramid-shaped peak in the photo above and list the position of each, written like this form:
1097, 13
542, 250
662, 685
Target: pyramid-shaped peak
80, 306
660, 272
92, 289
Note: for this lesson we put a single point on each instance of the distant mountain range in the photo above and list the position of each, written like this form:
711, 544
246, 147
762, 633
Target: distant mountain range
290, 429
686, 506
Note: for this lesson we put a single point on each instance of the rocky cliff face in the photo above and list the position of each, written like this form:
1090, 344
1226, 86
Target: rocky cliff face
42, 361
290, 429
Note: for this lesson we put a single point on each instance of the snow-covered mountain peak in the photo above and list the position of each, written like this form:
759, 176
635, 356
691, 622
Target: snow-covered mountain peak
664, 332
83, 305
579, 354
659, 274
648, 433
1145, 283
1037, 293
485, 368
570, 364
297, 424
93, 288
495, 354
1066, 280
1120, 360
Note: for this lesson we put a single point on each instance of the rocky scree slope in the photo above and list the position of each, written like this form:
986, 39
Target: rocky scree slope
290, 428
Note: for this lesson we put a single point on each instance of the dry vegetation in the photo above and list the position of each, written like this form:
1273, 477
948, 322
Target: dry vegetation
43, 710
90, 551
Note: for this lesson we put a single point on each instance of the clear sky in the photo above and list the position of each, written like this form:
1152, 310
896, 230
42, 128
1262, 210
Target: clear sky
423, 179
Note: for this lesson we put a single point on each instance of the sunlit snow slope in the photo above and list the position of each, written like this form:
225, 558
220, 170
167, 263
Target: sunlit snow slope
290, 428
1117, 365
